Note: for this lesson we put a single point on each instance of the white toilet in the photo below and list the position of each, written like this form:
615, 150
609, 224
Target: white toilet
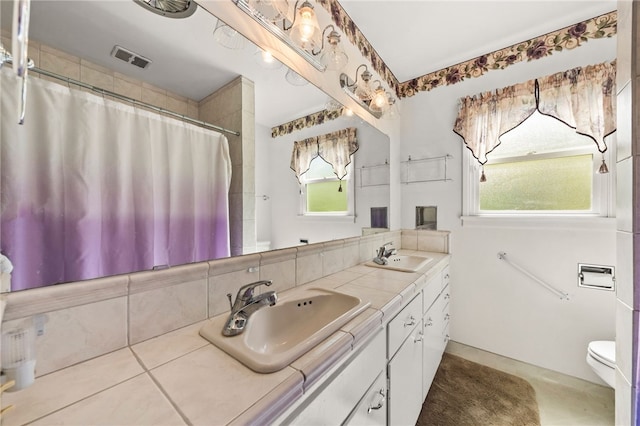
601, 356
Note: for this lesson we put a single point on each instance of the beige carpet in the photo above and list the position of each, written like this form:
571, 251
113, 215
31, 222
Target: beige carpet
466, 393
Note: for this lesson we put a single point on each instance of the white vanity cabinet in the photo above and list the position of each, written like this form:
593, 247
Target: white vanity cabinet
405, 380
372, 409
331, 401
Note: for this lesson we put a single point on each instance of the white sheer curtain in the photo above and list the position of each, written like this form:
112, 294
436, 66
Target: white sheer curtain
336, 148
583, 98
91, 187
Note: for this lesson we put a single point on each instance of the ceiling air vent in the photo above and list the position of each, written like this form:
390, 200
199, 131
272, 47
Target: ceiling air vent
130, 57
170, 8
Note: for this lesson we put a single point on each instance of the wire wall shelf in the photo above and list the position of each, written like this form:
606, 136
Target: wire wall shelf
430, 169
376, 175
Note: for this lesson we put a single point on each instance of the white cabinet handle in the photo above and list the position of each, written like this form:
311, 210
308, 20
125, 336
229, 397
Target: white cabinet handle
446, 296
380, 403
412, 321
446, 338
418, 338
446, 317
429, 322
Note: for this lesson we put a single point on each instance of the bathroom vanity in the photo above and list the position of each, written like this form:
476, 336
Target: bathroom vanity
376, 369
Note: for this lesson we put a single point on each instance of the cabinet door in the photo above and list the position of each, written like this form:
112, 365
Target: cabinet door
431, 349
372, 409
405, 381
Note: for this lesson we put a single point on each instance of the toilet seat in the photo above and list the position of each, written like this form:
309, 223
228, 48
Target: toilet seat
603, 352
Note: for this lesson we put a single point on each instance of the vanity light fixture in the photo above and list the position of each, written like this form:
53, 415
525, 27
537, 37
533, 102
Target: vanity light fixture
375, 100
294, 78
279, 33
273, 10
379, 99
333, 56
228, 37
305, 30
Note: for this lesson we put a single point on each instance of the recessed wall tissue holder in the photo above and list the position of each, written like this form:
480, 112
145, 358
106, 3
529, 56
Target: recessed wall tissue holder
596, 276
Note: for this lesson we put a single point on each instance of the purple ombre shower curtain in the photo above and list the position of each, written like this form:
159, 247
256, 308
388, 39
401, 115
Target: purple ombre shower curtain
91, 187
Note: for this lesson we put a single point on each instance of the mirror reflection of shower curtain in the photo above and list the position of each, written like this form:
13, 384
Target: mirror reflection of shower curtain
91, 187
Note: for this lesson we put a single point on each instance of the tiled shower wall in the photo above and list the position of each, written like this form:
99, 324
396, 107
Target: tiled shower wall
83, 320
627, 213
59, 62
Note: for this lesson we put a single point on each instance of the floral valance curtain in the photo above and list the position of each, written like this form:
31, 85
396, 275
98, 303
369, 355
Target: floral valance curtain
335, 148
582, 98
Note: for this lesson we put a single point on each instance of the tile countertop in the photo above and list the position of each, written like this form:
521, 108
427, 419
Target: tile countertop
181, 378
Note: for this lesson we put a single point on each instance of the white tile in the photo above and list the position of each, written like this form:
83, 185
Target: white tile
624, 195
57, 390
283, 275
165, 348
624, 401
156, 312
212, 388
624, 338
228, 283
308, 268
624, 267
135, 402
79, 333
333, 257
409, 240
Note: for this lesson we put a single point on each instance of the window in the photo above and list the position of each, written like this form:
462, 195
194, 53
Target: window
541, 167
320, 190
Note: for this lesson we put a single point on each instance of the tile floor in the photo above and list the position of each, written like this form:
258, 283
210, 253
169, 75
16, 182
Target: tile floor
562, 400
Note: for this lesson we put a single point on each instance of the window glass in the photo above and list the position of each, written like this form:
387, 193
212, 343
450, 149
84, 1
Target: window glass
321, 189
325, 197
540, 166
563, 183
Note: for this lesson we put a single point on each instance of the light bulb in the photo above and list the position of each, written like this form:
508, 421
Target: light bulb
348, 112
305, 29
265, 59
380, 99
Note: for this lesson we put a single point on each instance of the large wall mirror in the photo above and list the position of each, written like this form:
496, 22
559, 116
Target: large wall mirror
187, 61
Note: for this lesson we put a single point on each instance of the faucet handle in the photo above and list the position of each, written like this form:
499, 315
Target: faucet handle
229, 296
246, 291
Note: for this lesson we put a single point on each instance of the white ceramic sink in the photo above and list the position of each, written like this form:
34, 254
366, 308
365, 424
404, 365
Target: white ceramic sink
276, 336
403, 263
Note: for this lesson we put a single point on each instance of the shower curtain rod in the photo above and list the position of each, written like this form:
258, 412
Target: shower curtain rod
133, 101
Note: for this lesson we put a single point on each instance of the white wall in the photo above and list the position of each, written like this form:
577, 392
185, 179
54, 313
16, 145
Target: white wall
494, 307
278, 220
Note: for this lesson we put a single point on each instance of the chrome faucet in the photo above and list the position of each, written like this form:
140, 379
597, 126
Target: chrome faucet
384, 254
245, 305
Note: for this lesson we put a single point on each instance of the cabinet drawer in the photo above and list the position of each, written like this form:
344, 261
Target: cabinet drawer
402, 324
372, 409
430, 292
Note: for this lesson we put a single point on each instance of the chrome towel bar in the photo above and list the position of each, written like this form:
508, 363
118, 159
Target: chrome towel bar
563, 296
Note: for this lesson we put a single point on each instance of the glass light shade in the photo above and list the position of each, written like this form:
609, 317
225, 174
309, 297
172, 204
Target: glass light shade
333, 57
227, 36
332, 105
348, 112
295, 79
306, 31
379, 100
363, 89
272, 10
266, 60
392, 111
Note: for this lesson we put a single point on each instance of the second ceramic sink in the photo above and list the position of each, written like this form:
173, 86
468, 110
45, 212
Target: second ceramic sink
278, 335
403, 263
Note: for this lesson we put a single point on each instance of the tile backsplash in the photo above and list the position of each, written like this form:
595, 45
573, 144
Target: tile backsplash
83, 320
